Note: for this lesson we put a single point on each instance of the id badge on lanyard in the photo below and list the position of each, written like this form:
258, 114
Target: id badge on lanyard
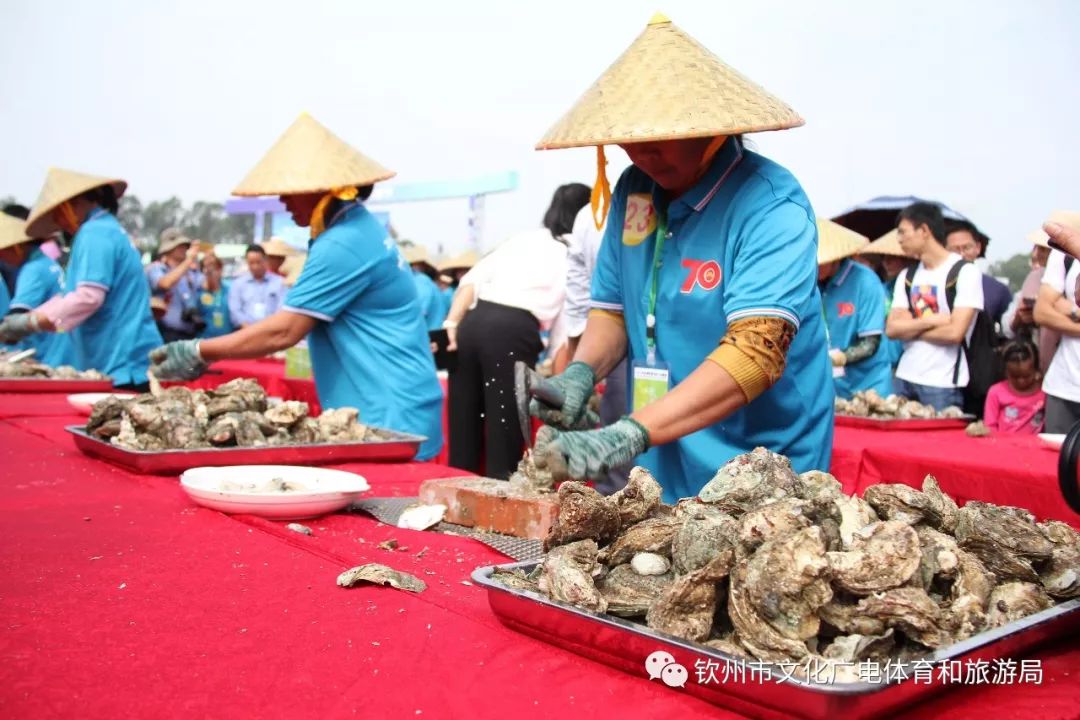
837, 370
651, 377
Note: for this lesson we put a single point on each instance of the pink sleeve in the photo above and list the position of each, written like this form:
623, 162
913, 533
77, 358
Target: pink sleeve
71, 310
993, 408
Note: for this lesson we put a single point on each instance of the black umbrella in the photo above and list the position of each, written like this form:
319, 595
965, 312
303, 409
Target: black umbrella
876, 217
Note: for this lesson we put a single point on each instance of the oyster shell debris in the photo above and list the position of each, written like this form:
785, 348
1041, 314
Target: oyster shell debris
377, 574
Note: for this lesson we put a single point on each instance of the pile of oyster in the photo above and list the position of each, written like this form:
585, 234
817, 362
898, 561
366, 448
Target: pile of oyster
234, 414
28, 369
868, 403
781, 567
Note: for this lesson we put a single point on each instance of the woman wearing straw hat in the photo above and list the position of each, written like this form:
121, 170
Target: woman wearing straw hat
854, 305
107, 308
706, 277
431, 301
39, 279
369, 348
277, 252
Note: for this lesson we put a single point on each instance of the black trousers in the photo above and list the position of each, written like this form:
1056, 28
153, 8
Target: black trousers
483, 412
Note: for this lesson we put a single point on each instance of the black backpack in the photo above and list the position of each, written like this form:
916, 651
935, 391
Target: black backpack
985, 365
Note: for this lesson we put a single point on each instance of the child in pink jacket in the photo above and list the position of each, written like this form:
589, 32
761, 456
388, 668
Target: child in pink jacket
1017, 404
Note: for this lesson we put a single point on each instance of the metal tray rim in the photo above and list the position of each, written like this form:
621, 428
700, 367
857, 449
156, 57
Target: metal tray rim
482, 576
397, 437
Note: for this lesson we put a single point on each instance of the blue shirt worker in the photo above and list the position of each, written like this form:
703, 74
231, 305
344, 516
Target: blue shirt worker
706, 279
256, 294
214, 299
39, 278
433, 305
853, 302
175, 277
106, 307
354, 300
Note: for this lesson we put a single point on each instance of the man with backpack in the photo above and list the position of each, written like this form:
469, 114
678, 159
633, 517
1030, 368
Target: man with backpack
934, 311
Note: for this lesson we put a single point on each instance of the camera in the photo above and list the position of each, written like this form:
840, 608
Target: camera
193, 316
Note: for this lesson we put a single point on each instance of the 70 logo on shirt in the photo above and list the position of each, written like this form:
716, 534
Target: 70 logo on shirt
701, 273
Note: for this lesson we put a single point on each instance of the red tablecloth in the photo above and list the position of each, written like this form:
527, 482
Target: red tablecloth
119, 598
1005, 469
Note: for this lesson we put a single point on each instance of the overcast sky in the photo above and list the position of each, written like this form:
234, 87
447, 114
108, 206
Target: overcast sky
973, 103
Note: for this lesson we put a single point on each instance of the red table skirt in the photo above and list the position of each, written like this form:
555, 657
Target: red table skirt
121, 599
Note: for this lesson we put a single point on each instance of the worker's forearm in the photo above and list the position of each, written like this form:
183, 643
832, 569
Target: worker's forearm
463, 300
603, 344
706, 397
275, 333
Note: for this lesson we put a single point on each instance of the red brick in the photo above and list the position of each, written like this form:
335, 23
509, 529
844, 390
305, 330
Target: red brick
487, 504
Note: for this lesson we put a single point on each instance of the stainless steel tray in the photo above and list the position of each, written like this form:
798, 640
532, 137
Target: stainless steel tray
625, 645
911, 424
40, 385
400, 447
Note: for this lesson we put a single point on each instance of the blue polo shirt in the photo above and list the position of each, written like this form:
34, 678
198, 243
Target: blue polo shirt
118, 338
215, 311
854, 303
431, 301
371, 349
39, 279
743, 243
5, 298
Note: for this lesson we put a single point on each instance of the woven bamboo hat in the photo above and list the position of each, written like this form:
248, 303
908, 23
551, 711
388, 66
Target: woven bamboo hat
464, 261
279, 248
414, 254
887, 244
12, 231
836, 242
1039, 237
308, 158
1068, 218
667, 86
61, 186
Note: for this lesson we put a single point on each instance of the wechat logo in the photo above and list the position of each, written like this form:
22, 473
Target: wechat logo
662, 665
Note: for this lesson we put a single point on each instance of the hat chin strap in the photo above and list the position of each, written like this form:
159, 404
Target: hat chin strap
318, 219
68, 221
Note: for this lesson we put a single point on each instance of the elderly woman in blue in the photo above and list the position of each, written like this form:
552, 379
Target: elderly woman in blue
355, 299
853, 302
106, 308
706, 278
39, 279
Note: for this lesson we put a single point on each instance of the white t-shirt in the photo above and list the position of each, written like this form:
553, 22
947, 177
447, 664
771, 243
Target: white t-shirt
927, 363
584, 242
1063, 376
528, 271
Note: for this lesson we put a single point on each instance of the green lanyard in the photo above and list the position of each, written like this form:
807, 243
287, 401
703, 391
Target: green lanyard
658, 259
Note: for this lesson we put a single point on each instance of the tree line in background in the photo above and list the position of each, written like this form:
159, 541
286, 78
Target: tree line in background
202, 221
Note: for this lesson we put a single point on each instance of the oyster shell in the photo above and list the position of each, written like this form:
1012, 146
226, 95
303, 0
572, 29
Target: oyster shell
1014, 600
855, 514
882, 555
516, 579
750, 480
770, 521
686, 608
706, 533
909, 610
341, 425
1005, 539
850, 618
381, 575
940, 556
817, 485
646, 563
568, 575
787, 580
857, 648
895, 501
760, 638
940, 511
629, 594
287, 414
965, 614
638, 497
583, 513
104, 411
652, 535
1061, 575
421, 517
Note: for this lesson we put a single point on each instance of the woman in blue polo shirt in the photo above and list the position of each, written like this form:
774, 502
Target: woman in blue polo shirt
107, 304
355, 298
706, 278
39, 279
854, 305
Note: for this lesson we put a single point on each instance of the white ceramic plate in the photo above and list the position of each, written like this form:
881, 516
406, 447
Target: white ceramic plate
1052, 439
249, 490
84, 402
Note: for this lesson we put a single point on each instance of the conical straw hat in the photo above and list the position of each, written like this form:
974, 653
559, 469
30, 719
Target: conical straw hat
60, 186
836, 242
667, 86
1038, 237
12, 231
1068, 218
279, 248
887, 244
416, 254
309, 158
464, 261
